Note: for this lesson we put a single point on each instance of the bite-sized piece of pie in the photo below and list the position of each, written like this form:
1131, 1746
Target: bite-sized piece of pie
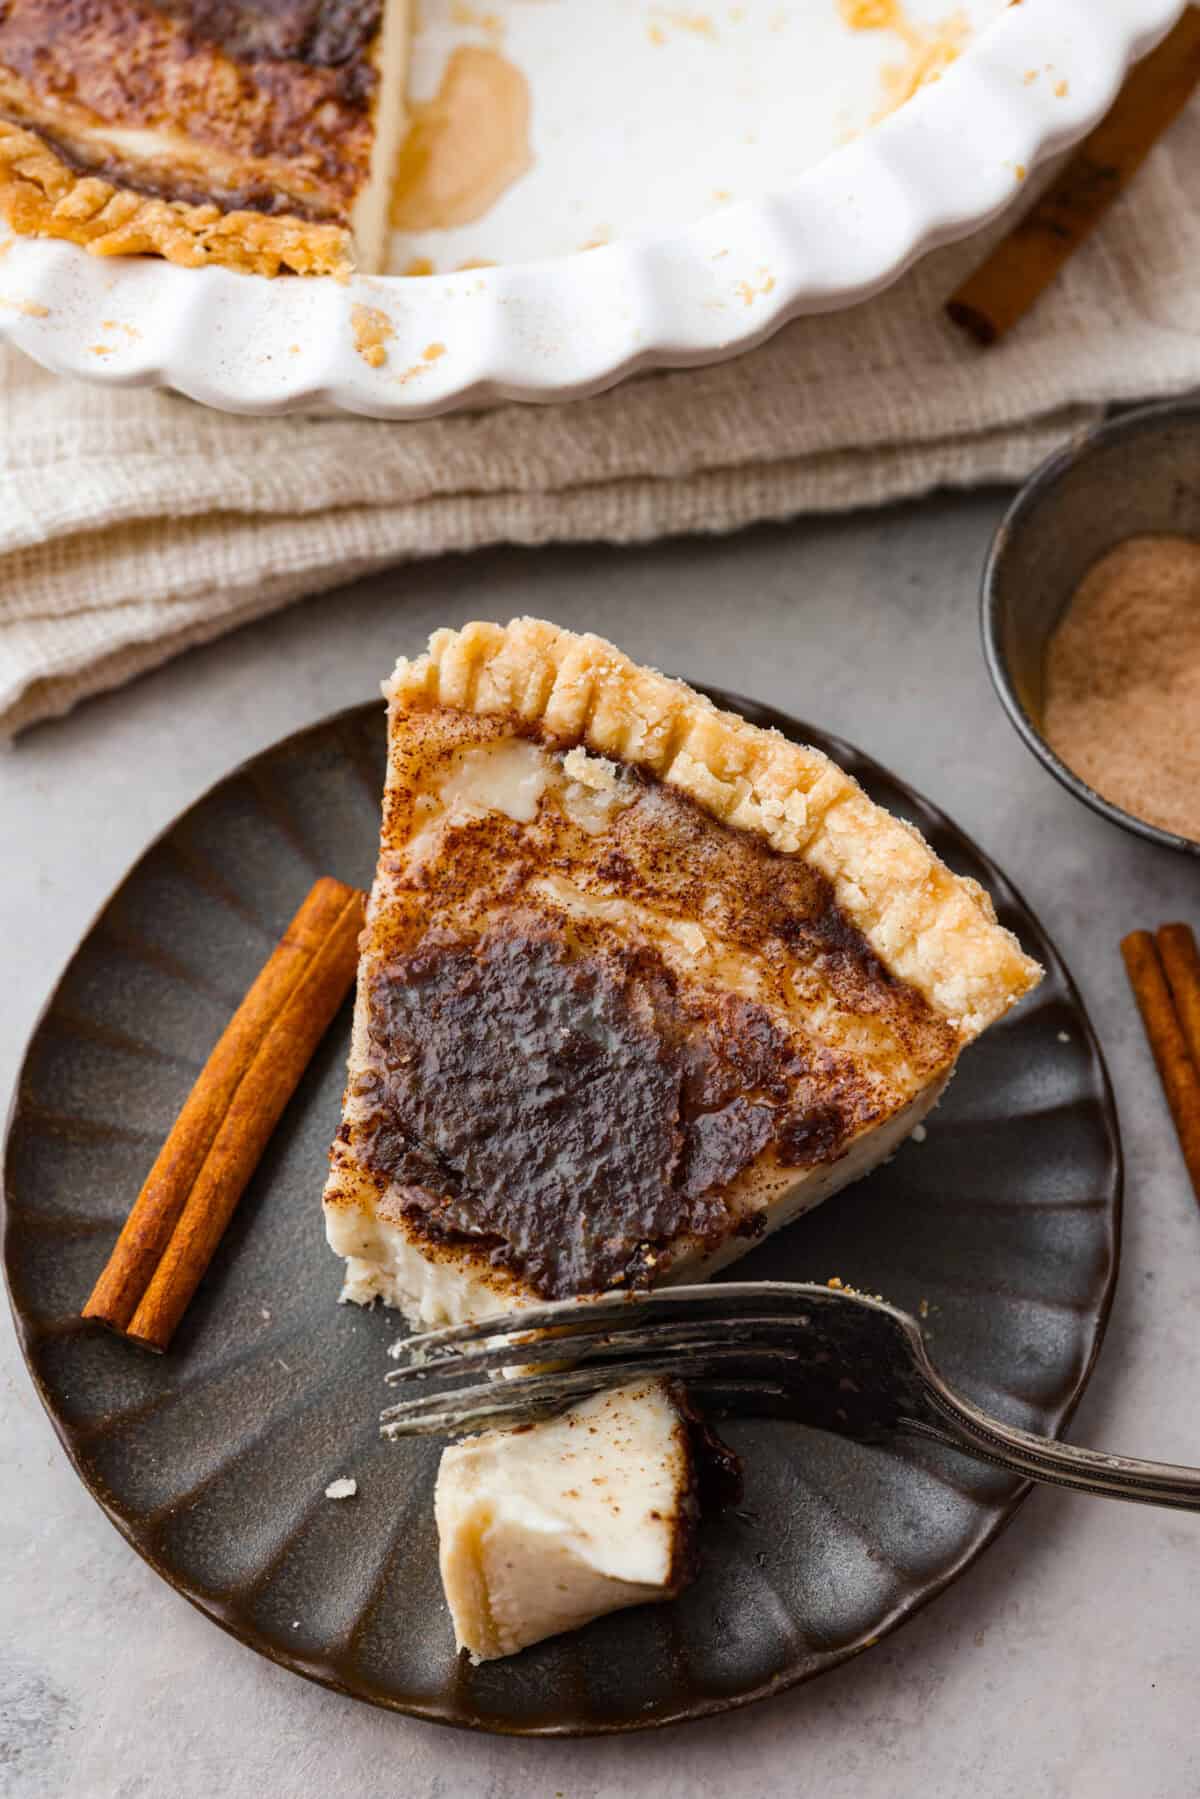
542, 1530
639, 983
261, 137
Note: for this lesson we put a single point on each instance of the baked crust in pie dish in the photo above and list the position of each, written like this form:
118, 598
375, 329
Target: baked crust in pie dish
639, 982
204, 130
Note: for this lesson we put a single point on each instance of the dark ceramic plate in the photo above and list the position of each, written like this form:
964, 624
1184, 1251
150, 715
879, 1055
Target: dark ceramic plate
1002, 1225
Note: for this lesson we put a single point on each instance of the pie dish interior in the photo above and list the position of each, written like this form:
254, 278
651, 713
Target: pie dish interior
640, 982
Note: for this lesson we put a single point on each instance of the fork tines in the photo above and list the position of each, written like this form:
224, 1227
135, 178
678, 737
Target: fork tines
585, 1345
618, 1309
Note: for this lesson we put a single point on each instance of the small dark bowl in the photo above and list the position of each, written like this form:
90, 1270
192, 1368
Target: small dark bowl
1137, 474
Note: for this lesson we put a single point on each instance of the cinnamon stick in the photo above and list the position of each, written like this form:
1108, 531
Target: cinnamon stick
1181, 965
1180, 1076
216, 1142
1005, 286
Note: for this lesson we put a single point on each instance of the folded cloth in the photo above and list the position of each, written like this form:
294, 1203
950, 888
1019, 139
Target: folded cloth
134, 524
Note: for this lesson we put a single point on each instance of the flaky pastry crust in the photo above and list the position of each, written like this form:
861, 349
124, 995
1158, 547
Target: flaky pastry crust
930, 927
41, 196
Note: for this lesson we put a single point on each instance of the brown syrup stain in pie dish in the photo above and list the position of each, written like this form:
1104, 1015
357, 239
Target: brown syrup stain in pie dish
553, 1088
466, 146
929, 50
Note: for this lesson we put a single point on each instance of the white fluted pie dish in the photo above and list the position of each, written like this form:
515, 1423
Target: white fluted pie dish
697, 180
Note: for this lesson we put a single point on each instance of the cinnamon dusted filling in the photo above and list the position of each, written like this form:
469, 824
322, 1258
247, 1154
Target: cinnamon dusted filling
592, 1008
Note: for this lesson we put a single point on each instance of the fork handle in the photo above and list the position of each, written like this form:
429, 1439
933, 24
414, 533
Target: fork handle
964, 1426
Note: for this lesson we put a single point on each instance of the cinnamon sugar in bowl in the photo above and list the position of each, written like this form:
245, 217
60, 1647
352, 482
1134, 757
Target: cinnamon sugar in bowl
1091, 620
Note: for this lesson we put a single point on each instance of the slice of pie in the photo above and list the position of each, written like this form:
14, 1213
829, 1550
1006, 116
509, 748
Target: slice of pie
640, 982
206, 131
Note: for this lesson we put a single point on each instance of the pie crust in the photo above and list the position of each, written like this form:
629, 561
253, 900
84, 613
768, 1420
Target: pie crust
934, 929
639, 982
41, 196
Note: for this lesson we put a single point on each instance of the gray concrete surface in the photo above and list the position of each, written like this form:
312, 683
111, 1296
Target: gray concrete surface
1065, 1663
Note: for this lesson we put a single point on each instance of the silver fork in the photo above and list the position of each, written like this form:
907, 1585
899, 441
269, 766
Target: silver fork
826, 1356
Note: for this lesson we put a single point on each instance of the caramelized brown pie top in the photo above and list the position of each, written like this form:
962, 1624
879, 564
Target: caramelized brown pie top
258, 133
273, 100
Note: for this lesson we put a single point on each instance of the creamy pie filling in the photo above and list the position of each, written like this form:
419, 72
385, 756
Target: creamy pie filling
542, 1529
600, 1029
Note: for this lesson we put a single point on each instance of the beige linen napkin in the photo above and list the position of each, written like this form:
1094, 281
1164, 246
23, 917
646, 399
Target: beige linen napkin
133, 524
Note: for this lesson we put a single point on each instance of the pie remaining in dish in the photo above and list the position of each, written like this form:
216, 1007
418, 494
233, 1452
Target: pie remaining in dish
204, 131
639, 983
